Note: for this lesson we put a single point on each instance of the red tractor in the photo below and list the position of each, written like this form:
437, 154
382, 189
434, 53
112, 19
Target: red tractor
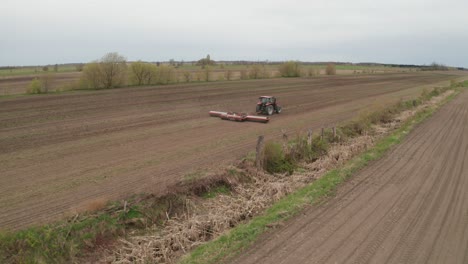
267, 105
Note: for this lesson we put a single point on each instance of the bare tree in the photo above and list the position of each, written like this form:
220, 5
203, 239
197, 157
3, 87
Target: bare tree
187, 76
205, 62
290, 69
47, 79
113, 69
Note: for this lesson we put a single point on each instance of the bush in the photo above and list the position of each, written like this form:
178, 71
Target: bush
426, 94
290, 69
331, 69
187, 76
164, 75
35, 87
113, 68
275, 161
244, 75
300, 150
318, 148
384, 115
92, 76
109, 72
255, 72
141, 73
356, 127
314, 72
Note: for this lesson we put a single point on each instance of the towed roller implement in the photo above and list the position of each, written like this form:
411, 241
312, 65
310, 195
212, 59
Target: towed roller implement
239, 117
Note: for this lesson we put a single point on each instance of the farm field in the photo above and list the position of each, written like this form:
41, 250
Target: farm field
17, 81
409, 207
11, 85
63, 153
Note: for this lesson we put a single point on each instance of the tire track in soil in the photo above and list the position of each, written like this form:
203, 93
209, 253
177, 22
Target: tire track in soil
351, 195
409, 207
110, 144
409, 241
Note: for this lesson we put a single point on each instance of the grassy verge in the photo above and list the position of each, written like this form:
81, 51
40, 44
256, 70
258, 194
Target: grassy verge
70, 240
245, 235
73, 240
58, 243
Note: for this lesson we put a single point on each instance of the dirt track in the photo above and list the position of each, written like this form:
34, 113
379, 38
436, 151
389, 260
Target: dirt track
409, 207
61, 153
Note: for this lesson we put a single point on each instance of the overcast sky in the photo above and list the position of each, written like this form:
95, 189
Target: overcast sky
392, 31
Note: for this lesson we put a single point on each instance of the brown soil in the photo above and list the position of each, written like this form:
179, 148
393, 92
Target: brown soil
409, 207
60, 153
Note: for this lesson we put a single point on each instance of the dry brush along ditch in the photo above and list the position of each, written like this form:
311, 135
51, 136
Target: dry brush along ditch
161, 229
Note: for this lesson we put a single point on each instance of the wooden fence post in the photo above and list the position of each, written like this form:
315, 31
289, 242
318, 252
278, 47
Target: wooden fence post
323, 133
285, 139
259, 153
309, 137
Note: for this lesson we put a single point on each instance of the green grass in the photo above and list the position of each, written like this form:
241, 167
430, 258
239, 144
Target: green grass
57, 243
216, 191
69, 241
244, 235
34, 70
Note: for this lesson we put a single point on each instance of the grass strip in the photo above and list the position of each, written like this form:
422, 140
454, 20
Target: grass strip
244, 235
57, 243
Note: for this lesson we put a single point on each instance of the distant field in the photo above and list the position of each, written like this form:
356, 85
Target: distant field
16, 81
34, 70
14, 85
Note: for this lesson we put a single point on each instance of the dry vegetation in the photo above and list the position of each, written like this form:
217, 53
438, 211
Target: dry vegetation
331, 69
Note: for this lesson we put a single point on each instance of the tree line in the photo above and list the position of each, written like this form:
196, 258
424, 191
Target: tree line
113, 70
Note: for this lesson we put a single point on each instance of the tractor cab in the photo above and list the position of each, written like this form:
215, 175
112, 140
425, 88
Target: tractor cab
267, 105
267, 100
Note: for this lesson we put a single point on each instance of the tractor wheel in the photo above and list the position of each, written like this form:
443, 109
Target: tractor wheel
278, 109
269, 110
257, 110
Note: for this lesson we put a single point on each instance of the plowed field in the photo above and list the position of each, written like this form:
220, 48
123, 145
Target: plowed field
409, 207
60, 153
